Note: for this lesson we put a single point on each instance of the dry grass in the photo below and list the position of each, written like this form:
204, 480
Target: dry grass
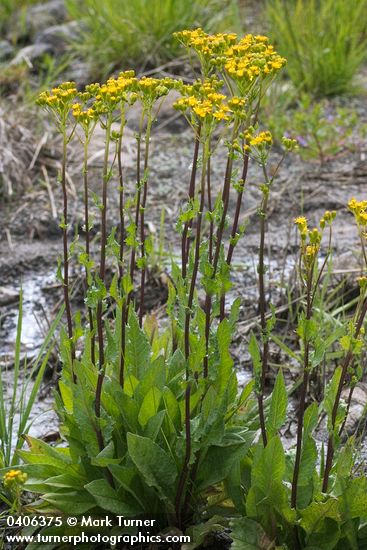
18, 145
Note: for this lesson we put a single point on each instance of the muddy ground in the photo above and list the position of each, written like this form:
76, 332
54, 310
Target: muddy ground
31, 242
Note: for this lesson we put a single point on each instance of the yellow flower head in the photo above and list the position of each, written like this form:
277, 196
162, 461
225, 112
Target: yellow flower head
327, 218
260, 141
250, 58
14, 477
204, 101
301, 222
59, 100
359, 210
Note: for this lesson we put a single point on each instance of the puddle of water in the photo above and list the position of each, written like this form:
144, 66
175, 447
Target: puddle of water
34, 302
43, 419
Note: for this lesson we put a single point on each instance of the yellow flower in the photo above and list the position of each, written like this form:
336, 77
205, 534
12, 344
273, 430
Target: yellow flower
14, 477
260, 140
359, 210
311, 250
300, 221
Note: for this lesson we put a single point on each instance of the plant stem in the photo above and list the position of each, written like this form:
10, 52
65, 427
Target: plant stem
225, 200
197, 255
262, 309
121, 195
302, 403
219, 237
208, 298
185, 467
347, 361
188, 224
137, 206
121, 254
142, 219
102, 274
66, 252
87, 243
235, 227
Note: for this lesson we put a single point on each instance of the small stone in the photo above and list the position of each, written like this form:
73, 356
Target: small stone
58, 37
33, 19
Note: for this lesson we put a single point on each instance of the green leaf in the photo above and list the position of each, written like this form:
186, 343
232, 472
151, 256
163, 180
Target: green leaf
42, 453
71, 502
150, 406
353, 500
157, 468
108, 499
310, 419
307, 329
248, 535
137, 348
313, 516
224, 335
278, 404
308, 461
269, 465
254, 351
220, 460
154, 425
199, 534
329, 400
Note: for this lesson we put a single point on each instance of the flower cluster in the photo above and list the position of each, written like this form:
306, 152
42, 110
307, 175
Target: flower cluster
359, 210
59, 100
252, 57
60, 96
205, 101
206, 46
244, 60
14, 478
327, 218
289, 143
100, 99
310, 240
84, 117
149, 89
114, 92
260, 141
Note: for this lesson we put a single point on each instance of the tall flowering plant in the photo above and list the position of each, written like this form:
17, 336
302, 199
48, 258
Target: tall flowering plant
151, 415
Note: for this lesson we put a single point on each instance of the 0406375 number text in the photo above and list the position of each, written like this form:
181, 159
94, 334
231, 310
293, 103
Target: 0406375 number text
34, 521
